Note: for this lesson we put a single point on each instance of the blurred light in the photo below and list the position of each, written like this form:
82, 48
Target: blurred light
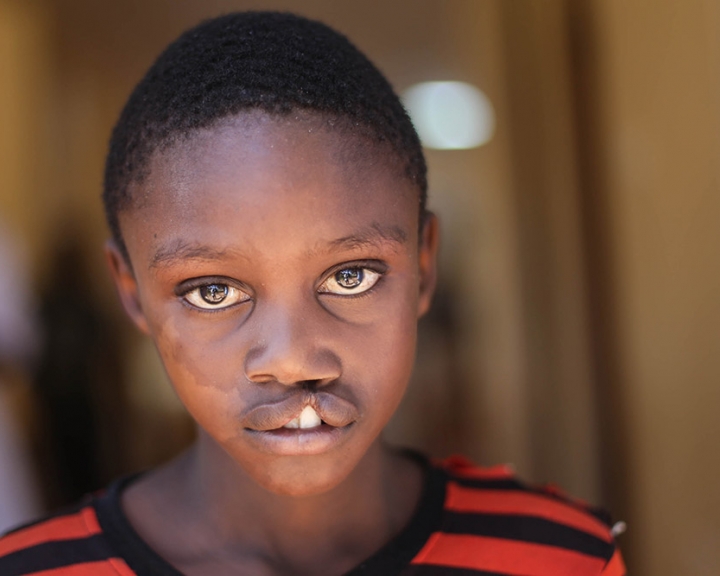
450, 115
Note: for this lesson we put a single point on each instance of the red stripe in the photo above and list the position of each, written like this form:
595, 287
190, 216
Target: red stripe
506, 556
462, 499
616, 566
113, 567
461, 466
79, 525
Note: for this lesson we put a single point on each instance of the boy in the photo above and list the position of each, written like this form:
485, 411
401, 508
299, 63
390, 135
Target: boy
266, 196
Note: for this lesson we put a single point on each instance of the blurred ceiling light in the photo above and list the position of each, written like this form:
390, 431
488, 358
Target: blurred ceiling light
450, 115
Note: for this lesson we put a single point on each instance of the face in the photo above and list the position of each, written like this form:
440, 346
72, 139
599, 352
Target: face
277, 266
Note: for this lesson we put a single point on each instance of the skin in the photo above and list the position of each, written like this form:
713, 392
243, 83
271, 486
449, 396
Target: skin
273, 208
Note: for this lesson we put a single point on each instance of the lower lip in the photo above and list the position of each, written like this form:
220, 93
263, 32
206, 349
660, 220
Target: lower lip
299, 441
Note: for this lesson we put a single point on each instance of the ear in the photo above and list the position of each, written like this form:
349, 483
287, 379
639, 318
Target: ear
429, 239
126, 285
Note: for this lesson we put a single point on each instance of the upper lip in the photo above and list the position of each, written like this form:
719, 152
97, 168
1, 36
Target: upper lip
332, 409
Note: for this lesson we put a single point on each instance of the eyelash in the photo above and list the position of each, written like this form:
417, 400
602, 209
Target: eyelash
185, 288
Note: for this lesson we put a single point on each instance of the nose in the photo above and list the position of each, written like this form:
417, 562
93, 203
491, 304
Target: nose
290, 347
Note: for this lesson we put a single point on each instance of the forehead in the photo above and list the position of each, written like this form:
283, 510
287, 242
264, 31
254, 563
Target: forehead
265, 177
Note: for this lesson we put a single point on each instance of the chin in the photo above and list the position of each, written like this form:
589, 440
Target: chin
303, 477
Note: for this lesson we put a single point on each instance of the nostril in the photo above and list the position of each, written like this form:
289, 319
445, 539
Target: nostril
310, 384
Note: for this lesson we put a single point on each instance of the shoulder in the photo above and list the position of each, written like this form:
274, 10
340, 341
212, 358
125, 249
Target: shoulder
495, 523
69, 543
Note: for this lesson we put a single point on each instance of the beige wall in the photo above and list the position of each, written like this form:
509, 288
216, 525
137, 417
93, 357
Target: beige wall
26, 146
656, 67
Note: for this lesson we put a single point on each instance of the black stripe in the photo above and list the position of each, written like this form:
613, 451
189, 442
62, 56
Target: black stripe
602, 515
435, 570
527, 529
499, 484
55, 554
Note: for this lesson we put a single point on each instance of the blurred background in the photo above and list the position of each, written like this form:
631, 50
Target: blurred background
576, 330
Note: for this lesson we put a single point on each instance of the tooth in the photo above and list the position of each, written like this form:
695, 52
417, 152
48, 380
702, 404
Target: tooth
309, 418
294, 423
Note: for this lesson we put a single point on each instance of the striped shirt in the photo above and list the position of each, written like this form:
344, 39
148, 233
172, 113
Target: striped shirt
470, 522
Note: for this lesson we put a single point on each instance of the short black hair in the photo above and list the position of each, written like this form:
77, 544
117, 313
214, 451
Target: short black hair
269, 61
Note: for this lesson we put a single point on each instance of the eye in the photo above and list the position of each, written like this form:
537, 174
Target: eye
350, 281
215, 296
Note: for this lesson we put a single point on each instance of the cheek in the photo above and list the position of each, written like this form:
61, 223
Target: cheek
202, 374
392, 363
197, 353
380, 355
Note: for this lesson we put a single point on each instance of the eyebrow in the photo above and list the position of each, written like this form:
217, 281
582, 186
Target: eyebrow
181, 250
371, 236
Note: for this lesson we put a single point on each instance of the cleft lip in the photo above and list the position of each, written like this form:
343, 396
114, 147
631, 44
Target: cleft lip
333, 411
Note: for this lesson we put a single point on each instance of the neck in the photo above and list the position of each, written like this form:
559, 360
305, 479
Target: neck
230, 511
